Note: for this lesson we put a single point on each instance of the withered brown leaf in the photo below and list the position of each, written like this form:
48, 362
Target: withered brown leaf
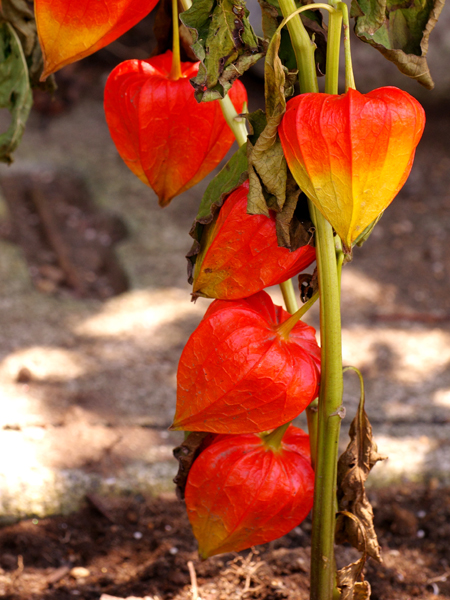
354, 467
349, 587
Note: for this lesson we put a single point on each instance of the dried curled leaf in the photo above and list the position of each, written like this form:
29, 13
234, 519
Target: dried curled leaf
185, 454
224, 42
241, 493
400, 31
350, 588
354, 466
15, 90
267, 165
272, 186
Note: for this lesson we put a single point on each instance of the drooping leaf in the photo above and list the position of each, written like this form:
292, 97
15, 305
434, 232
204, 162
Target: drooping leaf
354, 466
400, 31
351, 154
169, 140
224, 42
15, 90
238, 373
272, 186
69, 31
240, 255
233, 174
267, 165
241, 493
19, 14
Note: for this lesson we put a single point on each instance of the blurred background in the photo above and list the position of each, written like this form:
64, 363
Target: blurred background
95, 308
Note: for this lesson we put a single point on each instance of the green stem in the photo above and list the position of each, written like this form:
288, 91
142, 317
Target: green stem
304, 49
273, 439
334, 38
329, 417
236, 123
331, 386
349, 78
285, 328
175, 72
312, 415
290, 301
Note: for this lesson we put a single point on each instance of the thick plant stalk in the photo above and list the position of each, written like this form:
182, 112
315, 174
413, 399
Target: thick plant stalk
330, 400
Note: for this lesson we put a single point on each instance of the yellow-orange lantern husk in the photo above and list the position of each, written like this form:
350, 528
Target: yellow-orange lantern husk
352, 153
71, 30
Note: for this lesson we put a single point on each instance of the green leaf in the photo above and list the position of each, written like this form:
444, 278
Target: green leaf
400, 30
224, 42
20, 15
233, 174
15, 90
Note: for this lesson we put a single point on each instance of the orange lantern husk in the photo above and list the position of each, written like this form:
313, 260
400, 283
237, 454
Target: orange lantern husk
352, 153
240, 254
239, 373
240, 493
69, 31
169, 140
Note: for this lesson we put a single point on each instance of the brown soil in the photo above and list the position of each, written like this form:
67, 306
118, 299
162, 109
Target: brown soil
142, 547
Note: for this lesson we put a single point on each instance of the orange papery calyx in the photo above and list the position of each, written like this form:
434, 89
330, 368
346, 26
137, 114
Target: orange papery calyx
244, 371
351, 153
240, 255
71, 30
169, 140
241, 492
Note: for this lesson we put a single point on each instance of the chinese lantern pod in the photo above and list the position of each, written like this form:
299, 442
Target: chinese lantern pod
169, 140
69, 31
240, 493
241, 255
237, 374
351, 154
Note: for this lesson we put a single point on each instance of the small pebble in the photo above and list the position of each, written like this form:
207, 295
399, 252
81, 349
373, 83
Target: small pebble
168, 527
421, 514
137, 535
421, 534
173, 550
79, 572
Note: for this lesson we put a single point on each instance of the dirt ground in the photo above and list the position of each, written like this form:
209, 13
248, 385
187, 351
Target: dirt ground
144, 548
